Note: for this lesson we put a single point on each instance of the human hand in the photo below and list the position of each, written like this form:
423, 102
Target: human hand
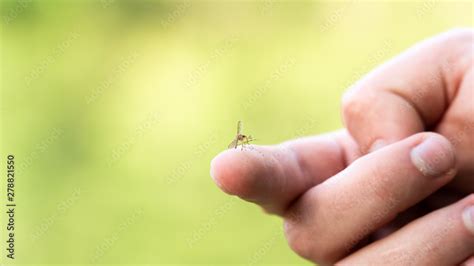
390, 206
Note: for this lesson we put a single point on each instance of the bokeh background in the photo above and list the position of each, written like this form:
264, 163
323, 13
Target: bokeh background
114, 109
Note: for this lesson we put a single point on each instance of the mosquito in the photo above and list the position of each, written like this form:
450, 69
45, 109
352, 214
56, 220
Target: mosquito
240, 139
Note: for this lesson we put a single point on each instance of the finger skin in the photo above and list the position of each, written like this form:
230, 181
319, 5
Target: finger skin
468, 262
411, 92
329, 219
458, 126
438, 238
274, 176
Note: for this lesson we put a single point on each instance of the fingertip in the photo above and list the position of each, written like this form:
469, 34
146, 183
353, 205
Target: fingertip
214, 173
219, 171
434, 155
231, 171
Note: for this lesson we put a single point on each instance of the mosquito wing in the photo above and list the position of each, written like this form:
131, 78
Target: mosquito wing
233, 144
239, 127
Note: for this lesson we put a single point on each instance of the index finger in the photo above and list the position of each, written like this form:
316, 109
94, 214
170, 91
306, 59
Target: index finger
412, 92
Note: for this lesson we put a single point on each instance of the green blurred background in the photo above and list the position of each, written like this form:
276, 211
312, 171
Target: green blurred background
114, 109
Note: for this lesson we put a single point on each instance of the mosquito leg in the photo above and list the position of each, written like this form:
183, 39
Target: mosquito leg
246, 142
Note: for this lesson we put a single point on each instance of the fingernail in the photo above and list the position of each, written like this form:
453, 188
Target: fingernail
377, 144
468, 218
433, 157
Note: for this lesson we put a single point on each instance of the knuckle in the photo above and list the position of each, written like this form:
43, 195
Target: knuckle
295, 239
355, 103
300, 241
351, 103
299, 246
